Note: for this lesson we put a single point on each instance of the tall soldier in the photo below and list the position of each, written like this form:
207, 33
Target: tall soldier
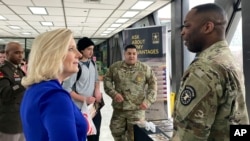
11, 94
132, 85
212, 91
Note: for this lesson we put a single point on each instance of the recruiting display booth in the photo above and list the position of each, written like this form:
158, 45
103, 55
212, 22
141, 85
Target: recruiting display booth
152, 47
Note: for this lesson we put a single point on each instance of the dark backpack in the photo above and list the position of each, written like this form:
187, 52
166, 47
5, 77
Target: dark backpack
79, 73
97, 105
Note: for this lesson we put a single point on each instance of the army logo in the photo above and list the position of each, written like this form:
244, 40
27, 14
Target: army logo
139, 77
187, 95
155, 38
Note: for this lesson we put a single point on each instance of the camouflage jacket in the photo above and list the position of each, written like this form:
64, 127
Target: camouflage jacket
211, 97
136, 83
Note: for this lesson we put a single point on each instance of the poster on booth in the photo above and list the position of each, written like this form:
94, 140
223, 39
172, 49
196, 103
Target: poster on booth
148, 41
150, 48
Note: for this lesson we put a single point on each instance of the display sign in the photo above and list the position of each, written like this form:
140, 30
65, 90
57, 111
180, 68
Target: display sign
148, 41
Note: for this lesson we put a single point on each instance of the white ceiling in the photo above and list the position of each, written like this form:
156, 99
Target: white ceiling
83, 17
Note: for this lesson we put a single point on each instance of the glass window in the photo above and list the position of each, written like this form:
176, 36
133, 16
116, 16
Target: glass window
236, 44
164, 15
193, 3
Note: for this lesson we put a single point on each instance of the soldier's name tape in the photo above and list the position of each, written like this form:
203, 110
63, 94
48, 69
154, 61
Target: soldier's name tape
239, 132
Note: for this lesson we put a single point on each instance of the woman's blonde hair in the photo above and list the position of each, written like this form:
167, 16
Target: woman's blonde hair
47, 55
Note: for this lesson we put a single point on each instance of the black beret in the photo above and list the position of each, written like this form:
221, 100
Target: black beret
84, 43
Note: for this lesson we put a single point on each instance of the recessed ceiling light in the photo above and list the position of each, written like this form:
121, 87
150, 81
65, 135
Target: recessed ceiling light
104, 34
2, 18
47, 23
14, 27
130, 14
26, 33
121, 20
142, 5
107, 32
38, 10
115, 25
111, 29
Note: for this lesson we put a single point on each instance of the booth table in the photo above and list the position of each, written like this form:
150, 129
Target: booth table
164, 130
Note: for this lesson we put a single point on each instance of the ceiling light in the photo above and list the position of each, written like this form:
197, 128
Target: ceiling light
142, 5
26, 33
130, 14
111, 29
107, 32
47, 23
104, 34
115, 25
38, 10
14, 27
92, 1
121, 20
2, 18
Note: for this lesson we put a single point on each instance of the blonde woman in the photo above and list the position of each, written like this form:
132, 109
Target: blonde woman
47, 111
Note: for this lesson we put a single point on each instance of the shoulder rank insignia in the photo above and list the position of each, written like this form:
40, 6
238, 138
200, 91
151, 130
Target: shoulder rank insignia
1, 74
187, 95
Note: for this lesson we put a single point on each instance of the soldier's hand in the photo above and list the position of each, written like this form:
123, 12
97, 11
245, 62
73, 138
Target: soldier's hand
143, 106
118, 98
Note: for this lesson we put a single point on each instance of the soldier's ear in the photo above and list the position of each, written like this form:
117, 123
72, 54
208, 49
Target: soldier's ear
208, 27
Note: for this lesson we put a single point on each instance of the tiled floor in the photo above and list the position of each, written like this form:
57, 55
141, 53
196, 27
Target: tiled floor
106, 115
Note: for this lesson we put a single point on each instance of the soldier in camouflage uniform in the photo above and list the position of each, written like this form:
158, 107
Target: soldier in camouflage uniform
11, 94
132, 86
212, 92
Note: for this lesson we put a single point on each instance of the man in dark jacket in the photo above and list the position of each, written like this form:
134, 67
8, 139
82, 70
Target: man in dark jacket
11, 93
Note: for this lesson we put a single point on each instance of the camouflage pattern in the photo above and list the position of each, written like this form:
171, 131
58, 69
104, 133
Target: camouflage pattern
122, 122
137, 84
211, 97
